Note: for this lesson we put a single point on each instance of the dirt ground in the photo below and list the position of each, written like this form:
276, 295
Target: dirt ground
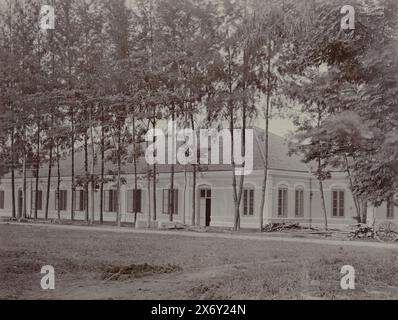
109, 265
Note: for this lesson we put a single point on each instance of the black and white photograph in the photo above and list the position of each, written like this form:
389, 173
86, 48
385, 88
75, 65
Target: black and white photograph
207, 151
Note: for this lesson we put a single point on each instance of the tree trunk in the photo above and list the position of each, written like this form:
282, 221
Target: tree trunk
231, 130
185, 193
322, 194
102, 165
118, 189
14, 215
319, 173
13, 174
267, 107
24, 187
135, 173
92, 167
149, 189
86, 183
119, 217
24, 178
323, 203
193, 221
234, 186
242, 177
37, 169
154, 177
49, 179
51, 126
72, 206
171, 192
354, 198
58, 185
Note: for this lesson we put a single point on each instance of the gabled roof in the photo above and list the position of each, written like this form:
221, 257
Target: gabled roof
278, 160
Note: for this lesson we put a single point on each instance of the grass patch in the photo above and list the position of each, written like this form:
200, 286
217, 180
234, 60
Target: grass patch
136, 271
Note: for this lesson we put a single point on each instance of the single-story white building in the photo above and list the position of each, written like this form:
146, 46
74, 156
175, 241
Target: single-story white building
292, 193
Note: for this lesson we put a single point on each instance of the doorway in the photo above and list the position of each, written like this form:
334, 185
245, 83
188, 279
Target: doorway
205, 205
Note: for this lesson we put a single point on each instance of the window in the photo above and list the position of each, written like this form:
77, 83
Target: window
282, 202
39, 200
134, 199
205, 193
111, 200
80, 200
390, 207
299, 203
167, 194
1, 199
248, 202
338, 203
62, 200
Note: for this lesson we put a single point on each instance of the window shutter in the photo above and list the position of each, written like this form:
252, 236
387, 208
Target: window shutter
134, 200
130, 200
1, 199
302, 203
77, 200
334, 203
341, 204
106, 200
299, 203
32, 199
175, 204
61, 200
65, 199
279, 202
115, 200
112, 200
137, 200
39, 199
165, 201
285, 202
82, 200
251, 211
170, 202
245, 202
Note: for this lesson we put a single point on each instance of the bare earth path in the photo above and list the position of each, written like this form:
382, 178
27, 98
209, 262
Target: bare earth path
210, 265
260, 237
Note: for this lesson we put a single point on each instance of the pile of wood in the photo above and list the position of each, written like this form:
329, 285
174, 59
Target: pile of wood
282, 226
362, 231
380, 233
386, 235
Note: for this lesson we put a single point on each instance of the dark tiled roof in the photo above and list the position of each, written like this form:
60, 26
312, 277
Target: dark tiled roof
278, 160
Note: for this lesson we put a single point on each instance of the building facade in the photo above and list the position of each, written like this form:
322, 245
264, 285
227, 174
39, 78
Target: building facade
292, 194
